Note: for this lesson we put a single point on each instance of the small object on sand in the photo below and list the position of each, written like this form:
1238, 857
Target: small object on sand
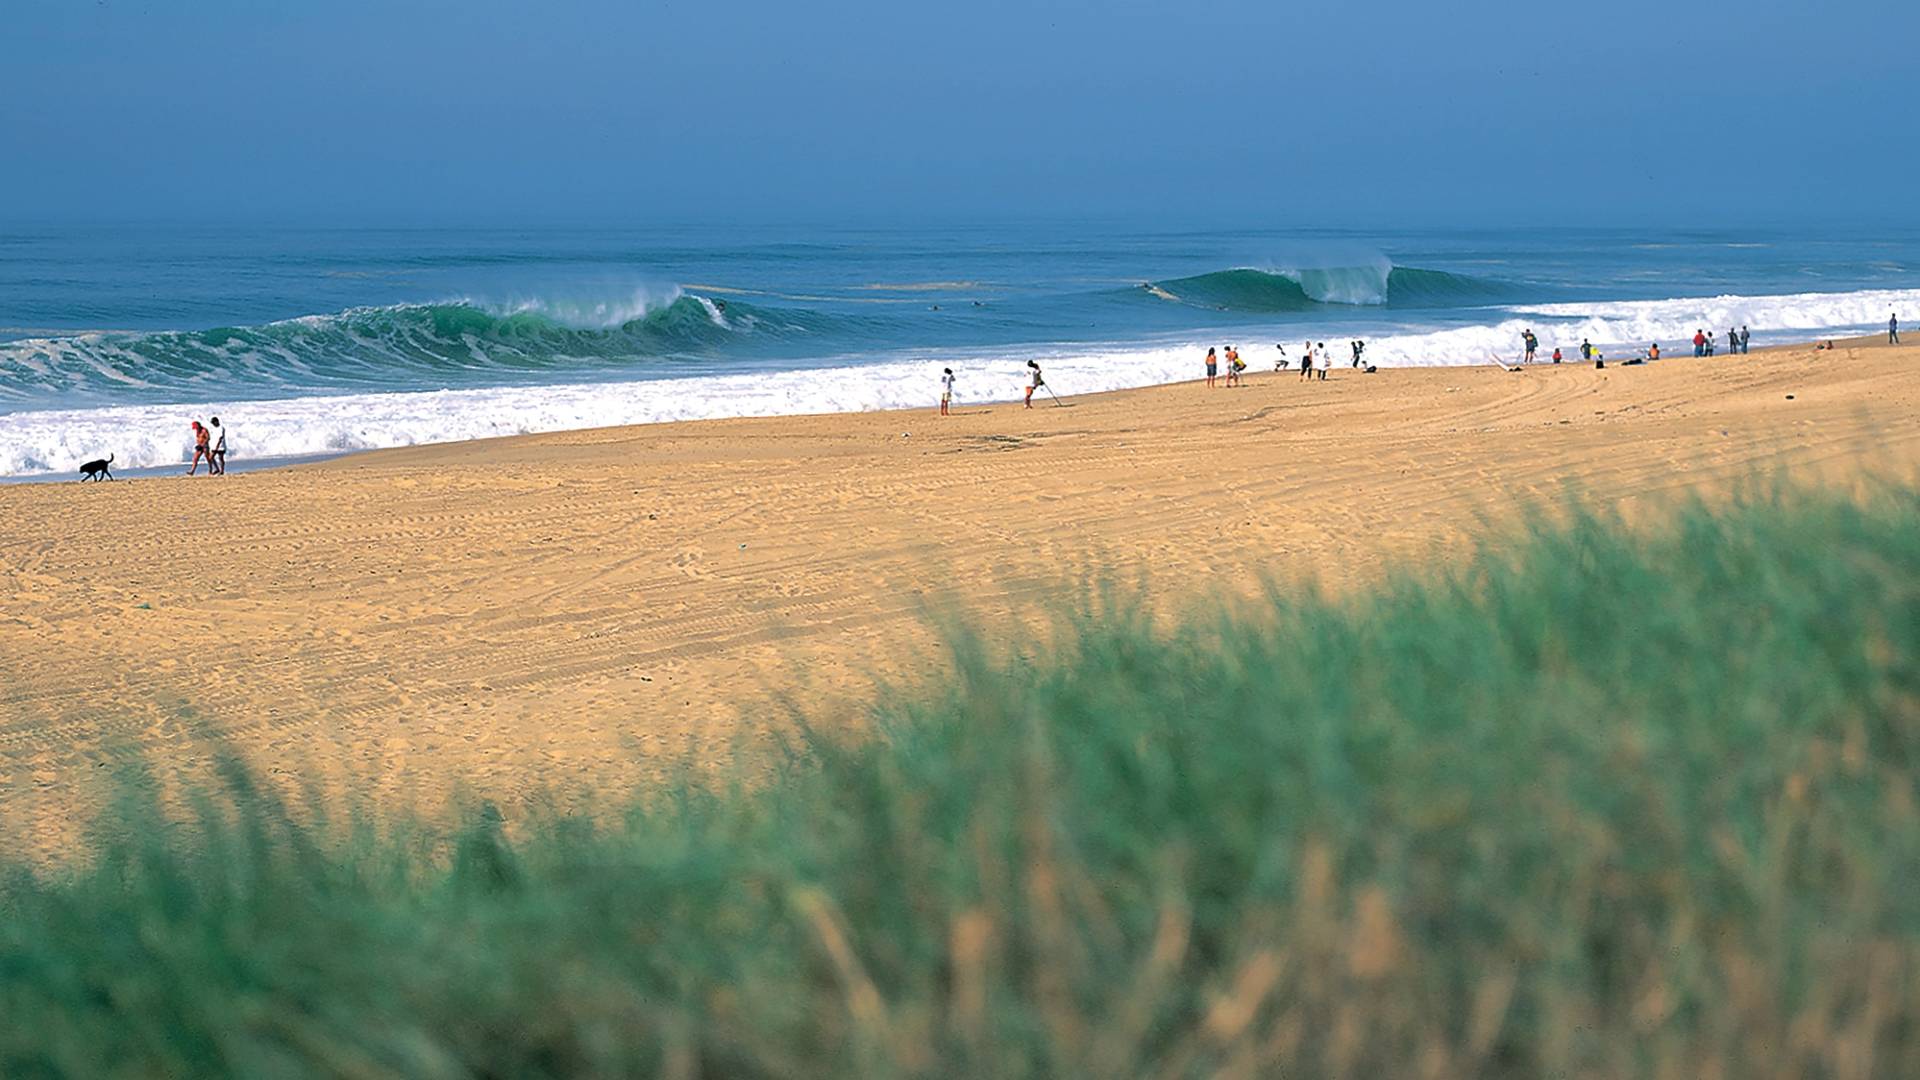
1789, 397
906, 434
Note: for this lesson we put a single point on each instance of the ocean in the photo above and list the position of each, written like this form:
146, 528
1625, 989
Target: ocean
309, 341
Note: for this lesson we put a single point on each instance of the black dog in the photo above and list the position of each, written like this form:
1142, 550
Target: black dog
96, 470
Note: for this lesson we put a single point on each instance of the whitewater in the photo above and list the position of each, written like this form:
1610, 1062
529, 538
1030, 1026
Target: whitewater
155, 434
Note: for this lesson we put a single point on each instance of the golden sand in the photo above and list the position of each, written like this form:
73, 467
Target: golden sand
575, 608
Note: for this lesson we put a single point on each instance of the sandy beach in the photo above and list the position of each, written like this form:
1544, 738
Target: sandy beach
582, 607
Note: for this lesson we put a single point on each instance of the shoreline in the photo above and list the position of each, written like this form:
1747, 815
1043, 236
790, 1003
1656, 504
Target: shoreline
275, 462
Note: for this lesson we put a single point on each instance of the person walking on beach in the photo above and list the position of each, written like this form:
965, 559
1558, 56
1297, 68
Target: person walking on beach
1733, 342
201, 450
1527, 339
1034, 380
1746, 338
1699, 343
946, 393
1358, 348
1232, 357
1326, 361
1213, 367
217, 461
1893, 329
1306, 361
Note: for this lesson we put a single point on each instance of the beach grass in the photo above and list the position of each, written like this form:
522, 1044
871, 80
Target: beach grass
1602, 801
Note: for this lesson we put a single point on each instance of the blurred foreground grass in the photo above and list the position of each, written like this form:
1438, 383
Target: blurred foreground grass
1615, 804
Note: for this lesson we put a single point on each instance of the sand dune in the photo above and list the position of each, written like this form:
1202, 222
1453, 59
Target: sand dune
580, 607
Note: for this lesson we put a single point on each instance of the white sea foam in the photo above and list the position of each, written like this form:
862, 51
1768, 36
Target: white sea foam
55, 441
1361, 285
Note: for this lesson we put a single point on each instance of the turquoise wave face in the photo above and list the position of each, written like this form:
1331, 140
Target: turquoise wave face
1306, 290
399, 347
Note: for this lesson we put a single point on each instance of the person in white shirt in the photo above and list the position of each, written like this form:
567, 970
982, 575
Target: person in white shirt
1326, 361
217, 463
1306, 361
946, 393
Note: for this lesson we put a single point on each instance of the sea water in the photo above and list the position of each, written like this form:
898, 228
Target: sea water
312, 341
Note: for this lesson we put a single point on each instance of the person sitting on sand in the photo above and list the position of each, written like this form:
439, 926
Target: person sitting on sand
200, 450
1213, 367
217, 460
946, 393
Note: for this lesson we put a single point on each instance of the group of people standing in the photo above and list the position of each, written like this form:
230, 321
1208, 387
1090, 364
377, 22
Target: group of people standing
1315, 360
1236, 367
209, 444
1707, 344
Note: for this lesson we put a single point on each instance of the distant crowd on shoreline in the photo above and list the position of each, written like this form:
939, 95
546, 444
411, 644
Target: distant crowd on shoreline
1316, 360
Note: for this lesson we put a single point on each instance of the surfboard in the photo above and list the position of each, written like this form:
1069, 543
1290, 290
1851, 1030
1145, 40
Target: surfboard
1504, 366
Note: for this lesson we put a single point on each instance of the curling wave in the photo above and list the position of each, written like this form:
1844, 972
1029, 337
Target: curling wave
396, 347
1306, 289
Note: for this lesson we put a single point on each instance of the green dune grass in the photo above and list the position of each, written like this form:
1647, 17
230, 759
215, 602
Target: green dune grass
1620, 803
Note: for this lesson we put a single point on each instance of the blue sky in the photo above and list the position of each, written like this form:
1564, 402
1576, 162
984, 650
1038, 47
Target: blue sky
406, 111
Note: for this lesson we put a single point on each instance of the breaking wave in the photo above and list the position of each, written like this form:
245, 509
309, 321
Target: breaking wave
1300, 290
